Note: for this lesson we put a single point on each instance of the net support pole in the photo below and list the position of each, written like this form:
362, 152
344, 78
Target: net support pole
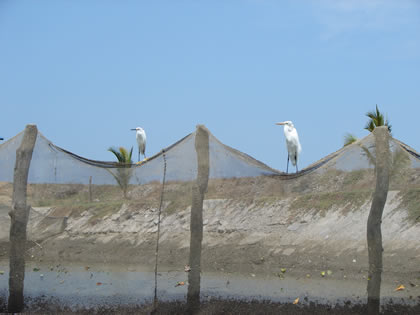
19, 219
196, 223
374, 234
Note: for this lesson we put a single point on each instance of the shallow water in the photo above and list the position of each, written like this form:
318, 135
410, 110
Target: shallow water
85, 286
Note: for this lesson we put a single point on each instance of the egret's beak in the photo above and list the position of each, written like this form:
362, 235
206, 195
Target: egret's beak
280, 123
133, 129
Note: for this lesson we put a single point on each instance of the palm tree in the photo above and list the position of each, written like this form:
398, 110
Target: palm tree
376, 119
124, 170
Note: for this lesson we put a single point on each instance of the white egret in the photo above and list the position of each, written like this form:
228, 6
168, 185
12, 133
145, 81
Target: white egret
292, 142
141, 141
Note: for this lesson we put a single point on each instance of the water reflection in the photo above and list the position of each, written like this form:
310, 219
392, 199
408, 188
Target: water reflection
75, 286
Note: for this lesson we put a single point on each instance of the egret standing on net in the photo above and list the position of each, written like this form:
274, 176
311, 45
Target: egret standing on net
141, 141
292, 142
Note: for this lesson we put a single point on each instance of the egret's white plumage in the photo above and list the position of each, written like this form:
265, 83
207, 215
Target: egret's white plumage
292, 141
141, 141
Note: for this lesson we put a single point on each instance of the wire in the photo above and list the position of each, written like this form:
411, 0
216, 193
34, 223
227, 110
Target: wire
158, 231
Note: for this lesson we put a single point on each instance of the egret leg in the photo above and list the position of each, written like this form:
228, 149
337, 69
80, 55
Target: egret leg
139, 155
287, 168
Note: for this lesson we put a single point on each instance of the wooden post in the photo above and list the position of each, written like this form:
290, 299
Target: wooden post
19, 219
374, 234
196, 222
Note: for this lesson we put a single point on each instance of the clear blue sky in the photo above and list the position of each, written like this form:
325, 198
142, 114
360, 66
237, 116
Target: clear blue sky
87, 71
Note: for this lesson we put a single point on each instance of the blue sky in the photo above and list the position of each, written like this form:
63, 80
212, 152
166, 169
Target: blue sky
87, 71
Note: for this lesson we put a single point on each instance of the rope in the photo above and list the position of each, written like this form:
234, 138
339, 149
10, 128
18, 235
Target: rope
158, 231
104, 164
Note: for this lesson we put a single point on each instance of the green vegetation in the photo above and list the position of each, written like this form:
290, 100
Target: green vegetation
124, 172
123, 156
349, 139
376, 119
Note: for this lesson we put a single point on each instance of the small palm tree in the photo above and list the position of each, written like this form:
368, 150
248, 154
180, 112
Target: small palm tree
124, 172
349, 139
376, 119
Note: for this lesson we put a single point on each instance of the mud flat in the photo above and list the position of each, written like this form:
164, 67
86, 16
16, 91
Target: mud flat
105, 287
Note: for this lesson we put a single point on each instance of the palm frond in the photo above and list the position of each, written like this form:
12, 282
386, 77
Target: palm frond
376, 119
117, 154
370, 126
349, 139
130, 155
122, 155
371, 115
126, 159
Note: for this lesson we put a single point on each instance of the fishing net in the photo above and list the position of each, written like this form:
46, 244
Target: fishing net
96, 228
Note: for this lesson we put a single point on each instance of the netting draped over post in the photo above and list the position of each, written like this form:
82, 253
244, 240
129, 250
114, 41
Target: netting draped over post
54, 165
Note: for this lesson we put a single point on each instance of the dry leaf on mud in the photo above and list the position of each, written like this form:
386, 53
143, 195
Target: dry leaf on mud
187, 268
296, 301
98, 283
180, 283
283, 270
400, 288
323, 273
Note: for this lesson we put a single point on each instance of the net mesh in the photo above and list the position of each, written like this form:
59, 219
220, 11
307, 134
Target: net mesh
93, 224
